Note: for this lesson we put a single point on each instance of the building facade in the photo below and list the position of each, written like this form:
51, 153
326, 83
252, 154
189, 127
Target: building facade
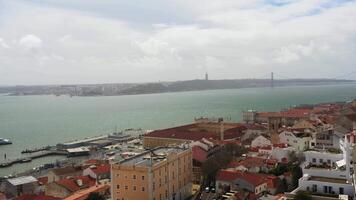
162, 173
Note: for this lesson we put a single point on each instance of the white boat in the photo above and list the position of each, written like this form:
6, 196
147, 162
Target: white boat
4, 141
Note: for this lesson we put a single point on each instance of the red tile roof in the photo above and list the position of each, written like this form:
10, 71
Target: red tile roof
192, 132
199, 154
292, 113
101, 169
71, 184
351, 117
249, 162
66, 170
252, 178
84, 194
36, 197
43, 180
280, 145
92, 161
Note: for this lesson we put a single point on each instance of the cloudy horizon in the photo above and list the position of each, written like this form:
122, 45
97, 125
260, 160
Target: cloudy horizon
93, 41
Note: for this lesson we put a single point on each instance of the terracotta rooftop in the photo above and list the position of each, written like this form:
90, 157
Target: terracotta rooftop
249, 162
198, 131
351, 117
72, 185
36, 197
83, 194
101, 169
252, 178
66, 170
292, 113
43, 180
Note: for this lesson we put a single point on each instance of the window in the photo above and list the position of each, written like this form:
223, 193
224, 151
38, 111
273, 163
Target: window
134, 176
341, 190
314, 160
143, 189
154, 186
134, 188
329, 161
315, 188
325, 189
143, 177
320, 160
126, 187
118, 187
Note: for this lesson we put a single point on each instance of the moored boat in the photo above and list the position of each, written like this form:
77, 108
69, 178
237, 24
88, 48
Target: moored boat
4, 141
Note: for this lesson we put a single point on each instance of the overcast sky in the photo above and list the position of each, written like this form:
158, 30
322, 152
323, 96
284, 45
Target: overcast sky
104, 41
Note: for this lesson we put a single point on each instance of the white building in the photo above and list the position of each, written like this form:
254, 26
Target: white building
299, 140
260, 141
328, 173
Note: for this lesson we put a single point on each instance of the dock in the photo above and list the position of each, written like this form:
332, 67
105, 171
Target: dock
31, 157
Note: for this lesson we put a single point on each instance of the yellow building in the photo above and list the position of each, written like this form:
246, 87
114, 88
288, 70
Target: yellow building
159, 174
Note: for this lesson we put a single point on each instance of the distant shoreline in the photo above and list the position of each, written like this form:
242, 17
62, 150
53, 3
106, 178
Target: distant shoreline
164, 87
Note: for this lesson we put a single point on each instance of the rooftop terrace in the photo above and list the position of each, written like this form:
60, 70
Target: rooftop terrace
329, 180
150, 158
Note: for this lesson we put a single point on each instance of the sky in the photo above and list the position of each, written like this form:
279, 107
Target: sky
119, 41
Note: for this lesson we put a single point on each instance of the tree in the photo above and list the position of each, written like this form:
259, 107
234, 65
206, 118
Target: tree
282, 186
220, 160
302, 195
297, 173
95, 196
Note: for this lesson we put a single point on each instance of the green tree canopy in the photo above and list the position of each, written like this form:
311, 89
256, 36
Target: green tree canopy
95, 196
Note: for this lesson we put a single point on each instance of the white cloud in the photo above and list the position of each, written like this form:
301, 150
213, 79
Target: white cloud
228, 38
3, 44
30, 42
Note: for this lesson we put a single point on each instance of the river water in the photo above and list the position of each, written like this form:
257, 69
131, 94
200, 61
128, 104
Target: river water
36, 121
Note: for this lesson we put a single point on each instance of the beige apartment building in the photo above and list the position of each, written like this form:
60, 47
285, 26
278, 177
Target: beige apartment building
158, 174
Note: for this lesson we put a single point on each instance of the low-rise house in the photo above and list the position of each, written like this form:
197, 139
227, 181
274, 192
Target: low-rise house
23, 185
281, 152
305, 124
252, 131
249, 164
68, 186
260, 141
234, 180
64, 172
326, 139
98, 172
298, 139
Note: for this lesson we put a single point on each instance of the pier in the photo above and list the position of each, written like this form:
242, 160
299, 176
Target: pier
31, 157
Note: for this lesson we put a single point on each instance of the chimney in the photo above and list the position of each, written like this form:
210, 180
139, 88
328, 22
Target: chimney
221, 130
